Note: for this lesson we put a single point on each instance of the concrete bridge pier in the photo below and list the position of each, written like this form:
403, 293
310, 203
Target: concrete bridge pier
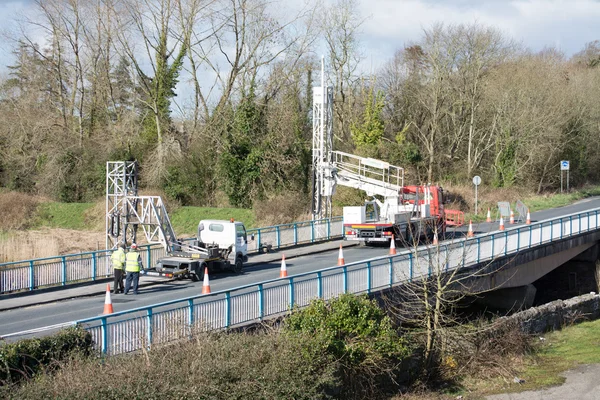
513, 298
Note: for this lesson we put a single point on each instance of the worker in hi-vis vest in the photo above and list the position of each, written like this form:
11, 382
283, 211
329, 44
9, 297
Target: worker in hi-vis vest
118, 263
133, 264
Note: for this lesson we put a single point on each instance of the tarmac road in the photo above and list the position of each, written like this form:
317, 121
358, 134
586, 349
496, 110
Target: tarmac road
581, 383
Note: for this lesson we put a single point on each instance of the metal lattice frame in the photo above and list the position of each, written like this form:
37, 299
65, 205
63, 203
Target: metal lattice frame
126, 211
323, 181
121, 182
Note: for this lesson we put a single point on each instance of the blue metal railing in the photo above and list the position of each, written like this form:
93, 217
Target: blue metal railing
142, 327
90, 266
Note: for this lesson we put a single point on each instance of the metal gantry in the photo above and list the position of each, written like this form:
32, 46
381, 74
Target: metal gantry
126, 211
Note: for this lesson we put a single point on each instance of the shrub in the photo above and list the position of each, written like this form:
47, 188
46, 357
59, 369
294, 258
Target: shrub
212, 366
16, 210
357, 333
25, 358
282, 209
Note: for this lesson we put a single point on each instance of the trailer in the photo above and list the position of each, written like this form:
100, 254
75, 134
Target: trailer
417, 214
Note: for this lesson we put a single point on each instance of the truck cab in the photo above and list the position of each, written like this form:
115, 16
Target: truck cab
225, 234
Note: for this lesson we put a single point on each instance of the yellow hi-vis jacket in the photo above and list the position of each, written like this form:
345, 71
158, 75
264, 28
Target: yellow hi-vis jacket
132, 263
118, 258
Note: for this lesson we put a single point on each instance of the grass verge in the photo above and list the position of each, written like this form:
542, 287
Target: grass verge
558, 352
62, 215
533, 201
185, 219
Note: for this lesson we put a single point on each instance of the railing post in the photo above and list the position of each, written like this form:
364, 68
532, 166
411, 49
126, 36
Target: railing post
328, 228
191, 313
104, 333
518, 239
291, 283
227, 309
295, 233
571, 225
94, 266
319, 285
258, 246
149, 328
531, 236
410, 266
277, 236
478, 249
505, 242
345, 271
391, 271
368, 277
148, 257
312, 231
64, 270
493, 245
31, 275
261, 302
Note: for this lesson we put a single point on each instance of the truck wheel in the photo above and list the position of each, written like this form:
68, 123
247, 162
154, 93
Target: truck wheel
195, 275
198, 274
239, 264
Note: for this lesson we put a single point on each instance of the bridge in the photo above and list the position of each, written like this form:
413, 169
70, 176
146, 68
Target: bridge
513, 258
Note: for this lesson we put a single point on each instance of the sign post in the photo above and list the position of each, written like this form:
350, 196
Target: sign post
564, 166
476, 182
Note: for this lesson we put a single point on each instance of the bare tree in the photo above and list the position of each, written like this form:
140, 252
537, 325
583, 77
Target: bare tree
341, 24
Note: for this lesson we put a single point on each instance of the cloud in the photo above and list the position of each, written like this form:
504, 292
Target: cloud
568, 25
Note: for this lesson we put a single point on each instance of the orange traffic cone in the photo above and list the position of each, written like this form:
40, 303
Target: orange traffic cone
341, 261
283, 270
501, 224
489, 216
435, 239
470, 231
108, 308
512, 217
528, 219
205, 282
392, 246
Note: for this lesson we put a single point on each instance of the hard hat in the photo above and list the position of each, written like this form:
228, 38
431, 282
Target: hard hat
133, 246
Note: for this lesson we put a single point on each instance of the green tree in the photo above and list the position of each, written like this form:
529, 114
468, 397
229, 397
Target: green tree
240, 163
369, 131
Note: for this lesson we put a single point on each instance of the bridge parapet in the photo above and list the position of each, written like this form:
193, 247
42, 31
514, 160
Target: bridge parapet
132, 330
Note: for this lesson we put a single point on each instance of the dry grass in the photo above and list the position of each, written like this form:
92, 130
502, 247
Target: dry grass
16, 210
282, 209
24, 245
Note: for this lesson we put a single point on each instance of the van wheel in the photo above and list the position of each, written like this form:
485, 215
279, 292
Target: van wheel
239, 264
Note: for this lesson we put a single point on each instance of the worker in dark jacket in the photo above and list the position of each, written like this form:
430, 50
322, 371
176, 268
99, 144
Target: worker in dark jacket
118, 263
133, 264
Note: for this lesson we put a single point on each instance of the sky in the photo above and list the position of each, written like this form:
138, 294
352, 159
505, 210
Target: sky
566, 25
391, 24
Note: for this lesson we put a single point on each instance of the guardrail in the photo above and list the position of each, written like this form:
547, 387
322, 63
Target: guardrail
143, 327
90, 266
